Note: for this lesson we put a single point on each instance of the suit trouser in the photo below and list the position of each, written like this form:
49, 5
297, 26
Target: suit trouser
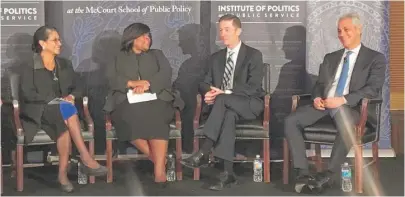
344, 119
220, 125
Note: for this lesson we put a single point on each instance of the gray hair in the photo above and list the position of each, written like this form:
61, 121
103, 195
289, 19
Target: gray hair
355, 19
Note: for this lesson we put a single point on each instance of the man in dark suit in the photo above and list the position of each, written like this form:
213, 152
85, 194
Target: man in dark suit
233, 86
345, 77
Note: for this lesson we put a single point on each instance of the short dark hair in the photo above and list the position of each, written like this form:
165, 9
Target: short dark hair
230, 17
42, 33
132, 32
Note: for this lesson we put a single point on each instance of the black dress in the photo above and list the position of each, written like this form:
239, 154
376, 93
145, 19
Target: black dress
38, 87
144, 120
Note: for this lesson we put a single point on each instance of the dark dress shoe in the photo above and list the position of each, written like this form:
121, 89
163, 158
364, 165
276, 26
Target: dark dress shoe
305, 184
100, 171
324, 179
225, 179
196, 160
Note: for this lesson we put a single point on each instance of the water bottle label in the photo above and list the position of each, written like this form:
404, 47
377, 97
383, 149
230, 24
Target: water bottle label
346, 173
258, 165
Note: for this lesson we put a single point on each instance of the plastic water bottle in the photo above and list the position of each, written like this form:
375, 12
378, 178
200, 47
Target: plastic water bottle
258, 169
346, 178
171, 167
81, 177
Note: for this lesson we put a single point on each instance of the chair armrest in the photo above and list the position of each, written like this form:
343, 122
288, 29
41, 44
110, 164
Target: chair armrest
266, 112
178, 119
365, 103
17, 120
297, 98
197, 114
87, 116
108, 124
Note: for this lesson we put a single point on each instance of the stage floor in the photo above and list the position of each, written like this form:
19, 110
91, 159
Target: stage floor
391, 172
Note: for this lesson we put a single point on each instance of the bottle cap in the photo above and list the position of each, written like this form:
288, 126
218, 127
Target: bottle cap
257, 156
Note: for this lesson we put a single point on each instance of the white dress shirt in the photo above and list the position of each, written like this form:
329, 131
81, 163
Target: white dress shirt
352, 61
234, 59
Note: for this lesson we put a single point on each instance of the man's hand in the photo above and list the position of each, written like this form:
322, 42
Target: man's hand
319, 104
334, 102
210, 96
70, 98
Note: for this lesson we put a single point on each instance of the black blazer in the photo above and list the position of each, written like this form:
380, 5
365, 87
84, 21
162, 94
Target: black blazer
248, 74
36, 88
152, 66
367, 77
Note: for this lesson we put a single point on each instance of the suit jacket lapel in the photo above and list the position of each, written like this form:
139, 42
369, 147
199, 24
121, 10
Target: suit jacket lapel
333, 65
358, 66
239, 60
220, 67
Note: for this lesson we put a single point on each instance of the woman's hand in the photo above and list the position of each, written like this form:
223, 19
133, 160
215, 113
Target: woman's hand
70, 98
137, 83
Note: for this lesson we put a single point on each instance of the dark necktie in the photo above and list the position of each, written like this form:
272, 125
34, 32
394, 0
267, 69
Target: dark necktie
226, 82
343, 75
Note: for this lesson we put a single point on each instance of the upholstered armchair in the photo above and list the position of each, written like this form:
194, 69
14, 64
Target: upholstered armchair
324, 132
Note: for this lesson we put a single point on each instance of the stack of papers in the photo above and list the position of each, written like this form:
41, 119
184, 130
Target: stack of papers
137, 98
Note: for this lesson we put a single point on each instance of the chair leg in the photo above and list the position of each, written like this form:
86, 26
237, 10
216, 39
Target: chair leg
196, 147
286, 161
109, 161
376, 165
179, 151
266, 158
318, 158
92, 179
358, 168
20, 167
1, 172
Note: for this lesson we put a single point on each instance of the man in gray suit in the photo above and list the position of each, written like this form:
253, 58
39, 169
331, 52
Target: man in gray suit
233, 87
345, 77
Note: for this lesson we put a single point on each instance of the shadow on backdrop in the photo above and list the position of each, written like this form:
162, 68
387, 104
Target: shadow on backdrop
92, 71
292, 80
191, 73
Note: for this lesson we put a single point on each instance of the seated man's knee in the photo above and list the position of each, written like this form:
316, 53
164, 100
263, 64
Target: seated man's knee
291, 119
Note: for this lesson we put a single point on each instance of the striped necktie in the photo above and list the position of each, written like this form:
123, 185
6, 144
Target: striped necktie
226, 82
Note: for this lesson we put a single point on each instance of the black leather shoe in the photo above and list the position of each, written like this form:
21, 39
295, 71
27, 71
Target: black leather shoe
305, 184
225, 179
324, 179
196, 160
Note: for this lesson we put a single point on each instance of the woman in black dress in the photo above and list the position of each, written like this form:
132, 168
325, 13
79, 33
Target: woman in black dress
44, 79
137, 69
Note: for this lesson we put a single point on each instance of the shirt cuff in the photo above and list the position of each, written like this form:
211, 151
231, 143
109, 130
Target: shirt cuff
228, 91
345, 101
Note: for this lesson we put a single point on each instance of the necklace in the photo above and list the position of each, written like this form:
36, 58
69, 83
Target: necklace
55, 78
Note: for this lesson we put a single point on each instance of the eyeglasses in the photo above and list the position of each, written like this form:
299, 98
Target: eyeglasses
56, 40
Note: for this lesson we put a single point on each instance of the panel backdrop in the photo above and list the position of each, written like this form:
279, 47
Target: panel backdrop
293, 37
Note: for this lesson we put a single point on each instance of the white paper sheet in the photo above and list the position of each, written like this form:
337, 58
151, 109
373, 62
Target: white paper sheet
56, 101
137, 98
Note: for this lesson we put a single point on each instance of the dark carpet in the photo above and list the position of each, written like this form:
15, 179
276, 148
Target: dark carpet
135, 178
